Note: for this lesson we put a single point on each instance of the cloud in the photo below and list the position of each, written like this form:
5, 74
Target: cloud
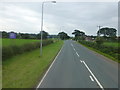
63, 16
18, 19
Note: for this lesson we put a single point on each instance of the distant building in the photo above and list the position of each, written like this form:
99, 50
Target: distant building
90, 38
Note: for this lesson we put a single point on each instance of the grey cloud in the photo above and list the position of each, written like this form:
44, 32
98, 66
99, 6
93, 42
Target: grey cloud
81, 15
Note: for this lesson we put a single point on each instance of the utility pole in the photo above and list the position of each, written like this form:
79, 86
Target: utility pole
99, 28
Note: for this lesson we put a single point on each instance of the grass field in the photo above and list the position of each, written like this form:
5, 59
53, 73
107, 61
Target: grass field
113, 44
18, 42
25, 70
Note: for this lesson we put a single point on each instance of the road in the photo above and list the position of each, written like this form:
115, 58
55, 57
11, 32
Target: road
78, 67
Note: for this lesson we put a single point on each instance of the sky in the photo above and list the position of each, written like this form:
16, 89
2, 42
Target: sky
25, 17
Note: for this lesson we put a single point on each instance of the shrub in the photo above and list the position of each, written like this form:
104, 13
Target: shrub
16, 49
8, 52
99, 40
112, 51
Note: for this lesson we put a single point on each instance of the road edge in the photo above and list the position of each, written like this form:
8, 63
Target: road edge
49, 67
101, 55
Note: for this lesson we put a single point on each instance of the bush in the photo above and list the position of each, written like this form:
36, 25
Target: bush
99, 40
16, 49
112, 51
8, 52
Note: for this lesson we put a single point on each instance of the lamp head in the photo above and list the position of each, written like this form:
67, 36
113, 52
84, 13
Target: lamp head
53, 1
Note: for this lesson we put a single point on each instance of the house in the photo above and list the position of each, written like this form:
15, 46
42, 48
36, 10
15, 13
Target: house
90, 38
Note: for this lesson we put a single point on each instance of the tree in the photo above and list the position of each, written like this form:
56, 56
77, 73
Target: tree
19, 35
99, 40
5, 34
44, 35
107, 32
63, 35
25, 36
79, 34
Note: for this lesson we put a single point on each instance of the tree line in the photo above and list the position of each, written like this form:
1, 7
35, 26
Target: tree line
106, 34
45, 35
103, 34
27, 35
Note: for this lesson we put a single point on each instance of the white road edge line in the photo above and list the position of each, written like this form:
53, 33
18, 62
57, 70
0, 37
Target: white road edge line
93, 75
48, 69
77, 54
91, 78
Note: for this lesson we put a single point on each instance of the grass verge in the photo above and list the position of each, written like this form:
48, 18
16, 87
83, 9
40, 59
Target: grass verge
104, 54
25, 70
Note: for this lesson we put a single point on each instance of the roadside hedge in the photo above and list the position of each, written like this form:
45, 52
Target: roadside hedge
8, 52
112, 51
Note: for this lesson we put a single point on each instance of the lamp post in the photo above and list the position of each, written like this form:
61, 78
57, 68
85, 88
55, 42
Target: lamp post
42, 24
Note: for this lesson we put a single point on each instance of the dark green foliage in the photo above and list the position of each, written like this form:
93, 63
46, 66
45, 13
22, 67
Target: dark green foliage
108, 32
63, 35
79, 35
99, 40
8, 52
26, 35
44, 35
5, 34
112, 51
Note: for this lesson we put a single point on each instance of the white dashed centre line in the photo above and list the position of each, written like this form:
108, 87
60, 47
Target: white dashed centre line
81, 61
77, 54
71, 44
91, 78
73, 47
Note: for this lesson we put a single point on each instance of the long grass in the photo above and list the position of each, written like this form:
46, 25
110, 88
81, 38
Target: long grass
25, 70
113, 44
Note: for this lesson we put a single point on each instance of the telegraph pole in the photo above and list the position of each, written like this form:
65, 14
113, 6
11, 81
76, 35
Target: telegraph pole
99, 28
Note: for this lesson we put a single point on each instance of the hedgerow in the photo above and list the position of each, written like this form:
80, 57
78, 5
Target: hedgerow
10, 51
112, 51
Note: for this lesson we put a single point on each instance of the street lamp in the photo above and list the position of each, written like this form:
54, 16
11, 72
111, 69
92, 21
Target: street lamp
42, 24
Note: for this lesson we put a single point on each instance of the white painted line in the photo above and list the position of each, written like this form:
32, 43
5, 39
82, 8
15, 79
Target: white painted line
81, 61
74, 49
48, 69
71, 44
93, 76
77, 54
